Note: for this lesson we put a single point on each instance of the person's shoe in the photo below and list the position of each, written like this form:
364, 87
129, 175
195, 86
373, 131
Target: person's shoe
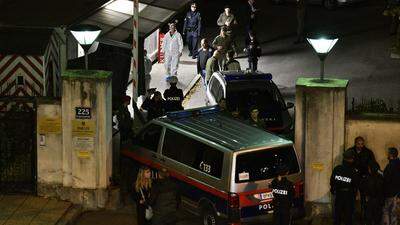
190, 54
194, 57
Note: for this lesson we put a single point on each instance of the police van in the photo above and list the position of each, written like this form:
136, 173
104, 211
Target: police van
223, 167
243, 91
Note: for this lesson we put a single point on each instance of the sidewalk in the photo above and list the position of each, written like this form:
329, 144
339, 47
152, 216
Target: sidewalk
31, 210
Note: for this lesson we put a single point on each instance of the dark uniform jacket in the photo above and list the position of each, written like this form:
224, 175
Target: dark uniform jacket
362, 159
154, 108
253, 52
192, 22
391, 176
283, 192
372, 186
173, 99
164, 199
344, 179
125, 121
202, 57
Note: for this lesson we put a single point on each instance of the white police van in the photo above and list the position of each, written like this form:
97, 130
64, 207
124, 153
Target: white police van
223, 167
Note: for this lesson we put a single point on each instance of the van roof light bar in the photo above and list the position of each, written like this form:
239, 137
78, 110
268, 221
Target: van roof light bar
264, 76
193, 112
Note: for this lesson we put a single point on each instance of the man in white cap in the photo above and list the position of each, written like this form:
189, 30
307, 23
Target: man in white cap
173, 96
172, 48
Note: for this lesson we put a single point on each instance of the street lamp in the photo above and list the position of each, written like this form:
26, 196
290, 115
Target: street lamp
85, 34
322, 45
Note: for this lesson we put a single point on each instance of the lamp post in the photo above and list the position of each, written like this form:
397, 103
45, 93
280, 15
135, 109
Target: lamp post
85, 34
322, 45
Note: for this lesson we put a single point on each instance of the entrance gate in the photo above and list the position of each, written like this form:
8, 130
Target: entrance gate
17, 145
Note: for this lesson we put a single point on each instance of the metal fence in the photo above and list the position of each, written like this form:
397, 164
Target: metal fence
375, 105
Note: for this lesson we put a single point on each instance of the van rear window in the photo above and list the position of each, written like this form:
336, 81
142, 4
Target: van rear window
262, 164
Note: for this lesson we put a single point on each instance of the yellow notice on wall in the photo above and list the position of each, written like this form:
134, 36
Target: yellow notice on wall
317, 166
49, 125
83, 128
84, 146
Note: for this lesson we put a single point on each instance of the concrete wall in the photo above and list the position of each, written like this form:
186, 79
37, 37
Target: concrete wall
379, 135
49, 144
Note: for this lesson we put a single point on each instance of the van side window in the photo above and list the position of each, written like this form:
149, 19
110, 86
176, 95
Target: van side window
193, 153
150, 137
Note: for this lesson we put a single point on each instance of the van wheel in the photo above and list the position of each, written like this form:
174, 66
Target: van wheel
209, 217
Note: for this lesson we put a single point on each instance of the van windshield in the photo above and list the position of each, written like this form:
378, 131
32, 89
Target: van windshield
262, 164
245, 95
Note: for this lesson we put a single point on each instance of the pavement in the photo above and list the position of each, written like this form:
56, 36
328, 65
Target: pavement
187, 75
32, 210
361, 55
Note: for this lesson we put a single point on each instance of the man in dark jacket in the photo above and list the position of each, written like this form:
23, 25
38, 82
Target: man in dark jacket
253, 50
192, 29
204, 53
250, 12
155, 106
173, 96
391, 176
283, 192
372, 186
344, 183
164, 199
362, 157
125, 120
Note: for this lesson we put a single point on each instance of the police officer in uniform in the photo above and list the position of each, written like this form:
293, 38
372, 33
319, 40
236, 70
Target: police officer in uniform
192, 29
283, 192
344, 183
173, 96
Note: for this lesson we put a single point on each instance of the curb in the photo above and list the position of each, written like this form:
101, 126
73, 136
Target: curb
70, 215
191, 85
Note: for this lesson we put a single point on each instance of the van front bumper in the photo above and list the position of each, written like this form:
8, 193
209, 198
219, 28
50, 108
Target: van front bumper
257, 219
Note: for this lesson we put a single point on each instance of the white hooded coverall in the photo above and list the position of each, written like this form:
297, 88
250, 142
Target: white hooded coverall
172, 47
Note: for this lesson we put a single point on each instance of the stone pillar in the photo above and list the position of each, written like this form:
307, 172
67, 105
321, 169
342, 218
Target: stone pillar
319, 137
87, 137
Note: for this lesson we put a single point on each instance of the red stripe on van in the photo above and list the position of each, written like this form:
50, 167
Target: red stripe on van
177, 175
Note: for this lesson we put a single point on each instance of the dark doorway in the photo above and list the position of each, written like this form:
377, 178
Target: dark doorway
17, 145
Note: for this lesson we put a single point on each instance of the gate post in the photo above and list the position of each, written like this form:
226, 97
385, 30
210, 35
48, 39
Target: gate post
319, 138
87, 137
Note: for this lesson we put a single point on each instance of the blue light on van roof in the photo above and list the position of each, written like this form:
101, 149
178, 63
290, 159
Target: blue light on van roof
193, 112
264, 76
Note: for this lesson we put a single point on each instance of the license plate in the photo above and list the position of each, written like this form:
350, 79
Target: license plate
265, 196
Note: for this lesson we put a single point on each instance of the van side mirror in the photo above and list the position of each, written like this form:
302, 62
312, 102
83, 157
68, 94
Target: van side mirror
289, 105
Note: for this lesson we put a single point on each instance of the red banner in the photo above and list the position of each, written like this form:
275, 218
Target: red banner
160, 42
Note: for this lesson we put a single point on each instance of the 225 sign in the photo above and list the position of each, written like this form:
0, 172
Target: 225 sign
83, 113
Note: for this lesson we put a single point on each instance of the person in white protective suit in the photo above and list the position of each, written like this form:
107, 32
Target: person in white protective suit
172, 47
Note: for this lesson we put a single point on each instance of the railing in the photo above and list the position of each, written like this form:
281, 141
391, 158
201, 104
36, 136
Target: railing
375, 105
